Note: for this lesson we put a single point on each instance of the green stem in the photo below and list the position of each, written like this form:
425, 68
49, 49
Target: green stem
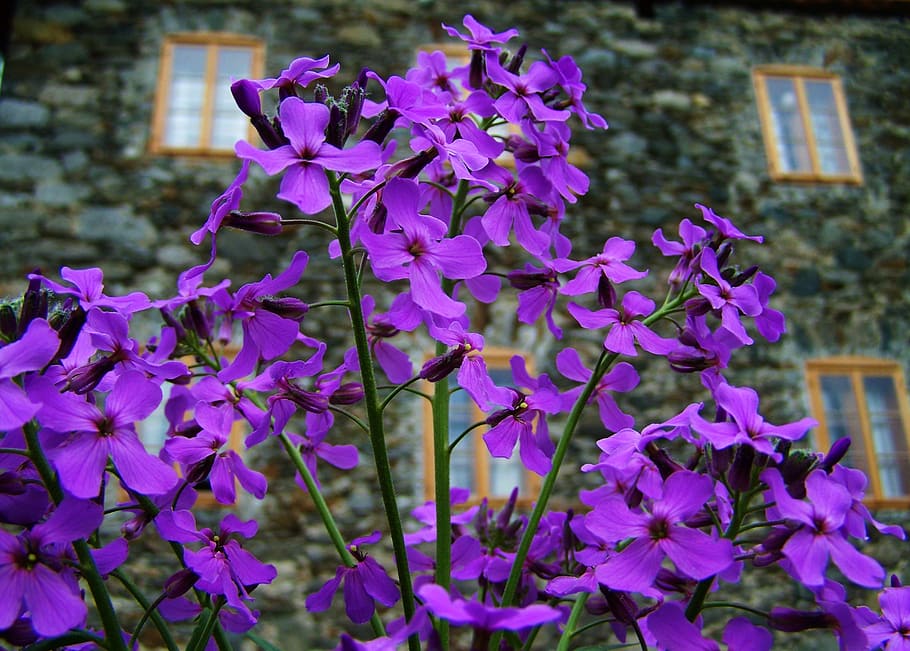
733, 604
67, 639
577, 609
149, 612
396, 390
111, 624
202, 634
373, 407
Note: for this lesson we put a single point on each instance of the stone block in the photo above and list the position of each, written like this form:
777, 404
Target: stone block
22, 114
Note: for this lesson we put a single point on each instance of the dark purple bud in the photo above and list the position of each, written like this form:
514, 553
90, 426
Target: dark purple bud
723, 254
382, 126
895, 581
34, 305
744, 276
514, 64
633, 496
8, 327
334, 133
199, 471
246, 94
349, 393
170, 320
522, 149
689, 361
700, 519
353, 97
475, 72
83, 379
180, 583
195, 320
286, 307
621, 605
719, 461
69, 329
437, 368
260, 223
793, 621
505, 514
775, 540
133, 528
740, 475
698, 306
522, 280
666, 464
316, 403
189, 429
668, 581
11, 484
377, 218
320, 94
20, 634
837, 452
794, 469
606, 293
597, 605
271, 135
410, 167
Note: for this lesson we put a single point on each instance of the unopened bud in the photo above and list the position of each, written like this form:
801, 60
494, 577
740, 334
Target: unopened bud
514, 64
260, 223
440, 367
793, 621
837, 452
349, 393
740, 475
180, 583
286, 307
382, 126
8, 327
246, 94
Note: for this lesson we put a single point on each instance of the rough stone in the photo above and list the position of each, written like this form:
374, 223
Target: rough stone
22, 114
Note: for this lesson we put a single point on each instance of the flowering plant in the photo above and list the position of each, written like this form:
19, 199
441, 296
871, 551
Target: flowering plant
681, 510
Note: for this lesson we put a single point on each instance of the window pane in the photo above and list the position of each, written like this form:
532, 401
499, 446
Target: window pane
829, 140
842, 417
789, 135
183, 121
461, 466
228, 124
888, 435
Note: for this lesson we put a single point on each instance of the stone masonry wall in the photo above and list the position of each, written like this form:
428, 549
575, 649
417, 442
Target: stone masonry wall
79, 188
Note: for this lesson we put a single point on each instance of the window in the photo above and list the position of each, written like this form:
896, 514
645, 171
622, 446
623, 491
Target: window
805, 125
194, 111
865, 399
471, 465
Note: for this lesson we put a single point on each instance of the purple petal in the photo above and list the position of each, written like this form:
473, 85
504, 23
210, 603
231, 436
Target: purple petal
80, 464
634, 568
696, 554
358, 605
132, 399
377, 583
675, 632
322, 598
140, 470
71, 520
36, 348
55, 608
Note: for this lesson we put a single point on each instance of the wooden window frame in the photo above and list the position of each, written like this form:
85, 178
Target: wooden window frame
857, 368
799, 75
213, 42
495, 358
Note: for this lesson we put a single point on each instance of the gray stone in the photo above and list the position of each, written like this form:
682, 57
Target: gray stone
69, 95
672, 99
634, 48
359, 34
58, 194
22, 114
176, 256
107, 223
20, 168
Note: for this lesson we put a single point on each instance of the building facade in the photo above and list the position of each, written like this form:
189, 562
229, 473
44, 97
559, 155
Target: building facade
791, 119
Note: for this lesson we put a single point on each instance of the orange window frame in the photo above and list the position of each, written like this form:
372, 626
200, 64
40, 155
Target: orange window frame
213, 43
856, 369
799, 75
496, 358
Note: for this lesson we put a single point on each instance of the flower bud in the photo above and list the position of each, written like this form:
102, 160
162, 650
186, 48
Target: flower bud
34, 305
334, 132
286, 307
11, 484
269, 132
382, 126
8, 327
621, 605
606, 293
514, 64
199, 471
440, 367
793, 621
180, 583
837, 452
246, 94
69, 329
410, 167
260, 223
83, 379
740, 475
349, 393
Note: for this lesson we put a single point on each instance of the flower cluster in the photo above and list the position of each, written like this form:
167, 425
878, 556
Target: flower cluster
424, 187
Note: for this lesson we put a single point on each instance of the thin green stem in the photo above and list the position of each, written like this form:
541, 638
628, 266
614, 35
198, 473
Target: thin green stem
104, 605
67, 639
577, 609
351, 417
396, 390
470, 429
202, 634
328, 303
736, 605
373, 407
149, 612
309, 222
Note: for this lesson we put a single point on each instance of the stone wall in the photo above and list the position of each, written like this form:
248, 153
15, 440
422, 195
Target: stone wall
78, 186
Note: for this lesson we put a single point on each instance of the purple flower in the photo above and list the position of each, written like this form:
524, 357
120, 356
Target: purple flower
622, 378
509, 209
539, 289
523, 92
523, 419
223, 565
480, 616
893, 629
625, 328
363, 585
36, 348
729, 300
202, 457
659, 533
88, 286
746, 425
480, 36
418, 250
609, 264
821, 534
34, 575
308, 155
94, 435
300, 72
693, 238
